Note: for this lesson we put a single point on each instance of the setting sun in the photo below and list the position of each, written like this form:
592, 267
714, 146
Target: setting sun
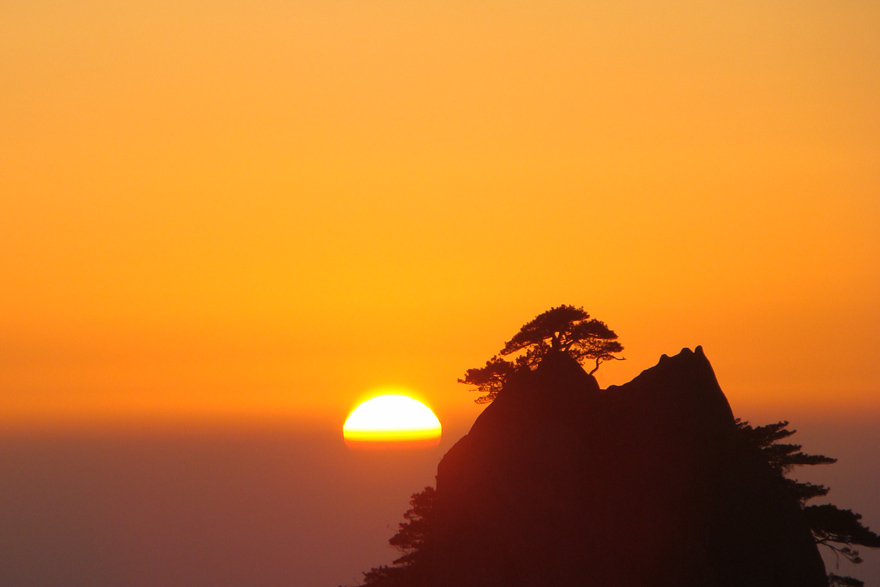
391, 420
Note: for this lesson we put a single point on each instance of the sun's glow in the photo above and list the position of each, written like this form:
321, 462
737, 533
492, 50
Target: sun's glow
391, 419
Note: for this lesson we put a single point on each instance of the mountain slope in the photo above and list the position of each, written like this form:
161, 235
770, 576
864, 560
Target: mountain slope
561, 483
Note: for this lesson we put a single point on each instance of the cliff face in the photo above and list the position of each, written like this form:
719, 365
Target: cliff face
646, 484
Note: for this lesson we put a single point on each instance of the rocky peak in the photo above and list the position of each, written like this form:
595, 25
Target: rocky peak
645, 484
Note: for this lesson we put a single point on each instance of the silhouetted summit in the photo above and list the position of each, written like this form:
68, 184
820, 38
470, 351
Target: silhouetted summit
646, 484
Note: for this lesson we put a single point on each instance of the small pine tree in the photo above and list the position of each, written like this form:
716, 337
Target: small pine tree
565, 329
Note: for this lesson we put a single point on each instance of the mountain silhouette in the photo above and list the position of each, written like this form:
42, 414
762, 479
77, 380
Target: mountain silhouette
646, 484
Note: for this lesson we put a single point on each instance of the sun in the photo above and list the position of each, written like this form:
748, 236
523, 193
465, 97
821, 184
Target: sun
391, 420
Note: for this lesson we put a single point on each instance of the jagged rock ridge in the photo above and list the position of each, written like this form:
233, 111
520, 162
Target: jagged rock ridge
560, 483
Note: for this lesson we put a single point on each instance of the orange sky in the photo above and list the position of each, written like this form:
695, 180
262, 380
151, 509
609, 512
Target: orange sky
265, 210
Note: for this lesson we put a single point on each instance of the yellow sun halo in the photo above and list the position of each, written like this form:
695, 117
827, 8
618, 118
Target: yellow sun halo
391, 420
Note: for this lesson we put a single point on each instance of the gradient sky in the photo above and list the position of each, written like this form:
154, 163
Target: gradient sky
263, 211
265, 208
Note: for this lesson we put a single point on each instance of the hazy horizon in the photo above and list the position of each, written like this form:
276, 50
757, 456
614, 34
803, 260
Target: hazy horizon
267, 506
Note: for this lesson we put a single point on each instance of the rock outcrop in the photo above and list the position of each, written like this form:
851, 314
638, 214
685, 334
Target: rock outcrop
648, 484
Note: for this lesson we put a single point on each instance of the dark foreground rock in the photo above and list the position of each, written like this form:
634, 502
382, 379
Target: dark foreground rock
647, 484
